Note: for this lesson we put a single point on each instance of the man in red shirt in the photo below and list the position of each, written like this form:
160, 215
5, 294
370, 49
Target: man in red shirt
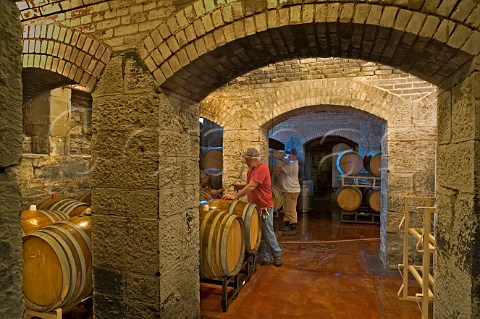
259, 192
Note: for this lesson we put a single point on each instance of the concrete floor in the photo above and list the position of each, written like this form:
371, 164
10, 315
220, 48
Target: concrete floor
330, 270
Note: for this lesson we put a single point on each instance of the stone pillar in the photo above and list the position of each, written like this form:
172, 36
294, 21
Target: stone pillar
144, 197
240, 132
457, 270
11, 297
408, 151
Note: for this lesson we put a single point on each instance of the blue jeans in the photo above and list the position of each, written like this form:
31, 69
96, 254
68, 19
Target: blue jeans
269, 240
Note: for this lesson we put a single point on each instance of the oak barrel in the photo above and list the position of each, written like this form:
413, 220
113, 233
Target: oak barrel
372, 198
251, 218
57, 265
349, 163
206, 194
348, 198
277, 198
211, 157
33, 220
67, 206
222, 243
373, 162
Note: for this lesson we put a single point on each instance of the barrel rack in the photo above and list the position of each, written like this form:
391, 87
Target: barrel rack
363, 215
423, 232
236, 282
361, 181
54, 314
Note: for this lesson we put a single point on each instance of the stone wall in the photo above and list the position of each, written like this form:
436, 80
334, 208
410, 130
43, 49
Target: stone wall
145, 149
379, 75
11, 305
42, 175
56, 146
195, 50
458, 197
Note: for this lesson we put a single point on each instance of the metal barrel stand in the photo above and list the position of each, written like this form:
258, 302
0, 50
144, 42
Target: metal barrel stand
236, 282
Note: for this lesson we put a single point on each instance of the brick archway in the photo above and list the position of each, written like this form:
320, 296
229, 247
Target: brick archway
318, 96
214, 43
66, 52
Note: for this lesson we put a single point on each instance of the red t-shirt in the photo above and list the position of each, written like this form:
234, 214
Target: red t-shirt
262, 194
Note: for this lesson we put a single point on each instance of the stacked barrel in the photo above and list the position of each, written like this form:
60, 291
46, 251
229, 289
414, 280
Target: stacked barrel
57, 260
230, 231
359, 190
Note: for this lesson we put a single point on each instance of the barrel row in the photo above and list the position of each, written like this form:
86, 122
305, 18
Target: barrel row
206, 195
229, 230
351, 163
350, 198
57, 264
57, 261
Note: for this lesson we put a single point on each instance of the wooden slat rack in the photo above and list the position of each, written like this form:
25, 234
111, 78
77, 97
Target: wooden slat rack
360, 217
361, 181
425, 237
54, 314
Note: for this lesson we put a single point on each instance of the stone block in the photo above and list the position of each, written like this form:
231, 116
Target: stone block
180, 295
463, 111
136, 76
111, 81
109, 281
139, 110
453, 284
111, 241
127, 173
135, 142
143, 287
142, 252
108, 306
140, 309
455, 166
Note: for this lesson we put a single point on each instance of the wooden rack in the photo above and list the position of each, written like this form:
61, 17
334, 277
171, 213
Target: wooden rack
361, 181
360, 217
425, 238
236, 282
363, 214
54, 314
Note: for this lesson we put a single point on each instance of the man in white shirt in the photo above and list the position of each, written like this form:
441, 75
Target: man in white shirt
288, 170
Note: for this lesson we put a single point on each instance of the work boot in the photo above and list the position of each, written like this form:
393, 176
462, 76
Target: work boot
277, 261
285, 227
292, 230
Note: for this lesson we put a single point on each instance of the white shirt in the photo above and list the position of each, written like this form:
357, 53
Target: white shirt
289, 180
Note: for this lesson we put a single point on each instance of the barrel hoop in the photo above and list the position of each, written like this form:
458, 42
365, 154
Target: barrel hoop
209, 251
60, 215
202, 235
215, 240
82, 233
248, 225
231, 208
47, 214
53, 231
224, 239
66, 206
69, 208
58, 204
82, 260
